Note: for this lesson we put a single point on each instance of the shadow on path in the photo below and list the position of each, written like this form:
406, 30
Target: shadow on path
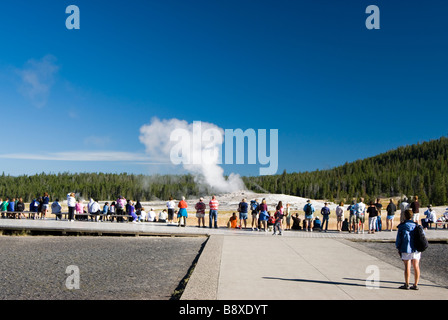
361, 283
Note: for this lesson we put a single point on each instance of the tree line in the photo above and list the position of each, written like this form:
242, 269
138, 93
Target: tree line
420, 169
100, 186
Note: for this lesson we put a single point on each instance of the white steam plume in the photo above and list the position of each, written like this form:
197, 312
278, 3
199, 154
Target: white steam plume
201, 155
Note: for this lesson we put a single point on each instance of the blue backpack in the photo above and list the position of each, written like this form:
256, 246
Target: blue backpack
254, 205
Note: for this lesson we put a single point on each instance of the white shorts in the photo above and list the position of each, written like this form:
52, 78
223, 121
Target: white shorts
410, 256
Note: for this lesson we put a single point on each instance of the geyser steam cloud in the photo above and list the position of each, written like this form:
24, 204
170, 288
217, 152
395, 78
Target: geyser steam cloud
198, 151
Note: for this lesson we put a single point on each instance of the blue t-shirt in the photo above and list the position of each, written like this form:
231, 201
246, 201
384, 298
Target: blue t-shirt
325, 211
46, 200
243, 207
11, 206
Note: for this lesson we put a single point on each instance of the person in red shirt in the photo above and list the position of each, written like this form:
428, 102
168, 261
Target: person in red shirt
213, 215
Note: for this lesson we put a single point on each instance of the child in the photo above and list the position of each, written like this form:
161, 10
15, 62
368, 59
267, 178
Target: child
271, 221
278, 222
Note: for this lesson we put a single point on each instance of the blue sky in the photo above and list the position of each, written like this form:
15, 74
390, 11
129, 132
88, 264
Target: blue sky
336, 91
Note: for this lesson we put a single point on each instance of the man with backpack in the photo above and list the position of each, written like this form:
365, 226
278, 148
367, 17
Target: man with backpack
254, 207
352, 217
325, 211
309, 211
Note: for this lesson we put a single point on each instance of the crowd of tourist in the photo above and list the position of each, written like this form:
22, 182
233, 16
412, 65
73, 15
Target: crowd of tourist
351, 218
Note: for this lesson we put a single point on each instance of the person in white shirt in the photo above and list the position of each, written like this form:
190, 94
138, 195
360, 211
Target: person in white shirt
163, 216
171, 207
403, 207
71, 203
431, 217
56, 209
94, 208
151, 215
142, 216
360, 215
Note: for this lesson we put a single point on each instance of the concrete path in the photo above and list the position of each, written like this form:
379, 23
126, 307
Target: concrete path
316, 269
251, 265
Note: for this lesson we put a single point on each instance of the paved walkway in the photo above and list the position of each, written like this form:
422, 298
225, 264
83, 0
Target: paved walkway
293, 268
251, 265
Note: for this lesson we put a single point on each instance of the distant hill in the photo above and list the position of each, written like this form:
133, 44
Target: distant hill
420, 169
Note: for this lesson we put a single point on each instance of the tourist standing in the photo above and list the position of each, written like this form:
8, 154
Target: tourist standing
120, 207
263, 215
379, 222
200, 212
71, 203
213, 214
278, 220
340, 216
242, 209
391, 209
373, 214
288, 213
254, 207
182, 215
45, 205
360, 215
403, 207
325, 211
409, 255
352, 217
170, 205
309, 212
415, 207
